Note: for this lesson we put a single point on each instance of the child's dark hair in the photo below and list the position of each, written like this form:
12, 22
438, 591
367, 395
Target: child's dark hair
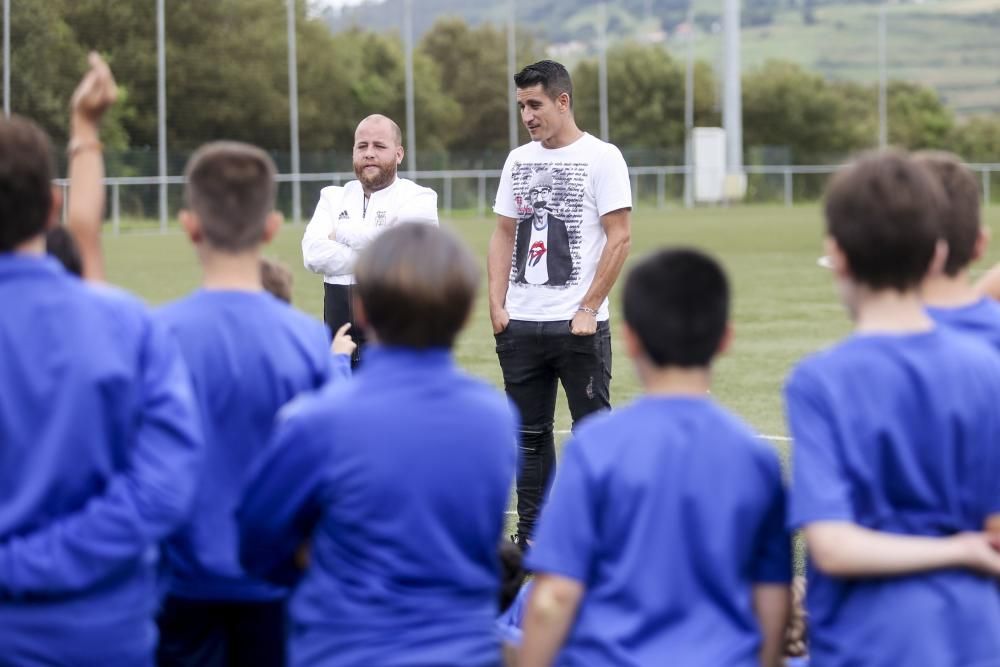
26, 173
883, 211
276, 279
960, 221
416, 283
231, 187
59, 243
512, 574
677, 302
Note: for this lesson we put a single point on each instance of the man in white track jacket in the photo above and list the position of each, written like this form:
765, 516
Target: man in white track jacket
348, 217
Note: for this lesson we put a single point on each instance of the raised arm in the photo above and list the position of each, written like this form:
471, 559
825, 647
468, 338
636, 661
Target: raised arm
141, 505
498, 262
85, 209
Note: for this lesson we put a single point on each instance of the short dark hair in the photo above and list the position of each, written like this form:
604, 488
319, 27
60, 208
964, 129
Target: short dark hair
26, 173
276, 279
882, 210
676, 300
960, 221
231, 188
552, 76
59, 243
416, 283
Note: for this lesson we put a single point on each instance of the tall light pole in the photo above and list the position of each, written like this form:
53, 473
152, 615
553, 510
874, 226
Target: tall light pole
602, 67
6, 57
732, 102
511, 71
161, 109
689, 113
411, 130
883, 86
293, 113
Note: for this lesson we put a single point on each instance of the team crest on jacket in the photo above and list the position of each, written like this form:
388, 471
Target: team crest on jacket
380, 219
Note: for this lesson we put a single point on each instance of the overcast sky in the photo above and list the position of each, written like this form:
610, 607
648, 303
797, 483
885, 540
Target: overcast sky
340, 3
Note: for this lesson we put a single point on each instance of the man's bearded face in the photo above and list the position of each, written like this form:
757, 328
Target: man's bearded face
376, 153
373, 172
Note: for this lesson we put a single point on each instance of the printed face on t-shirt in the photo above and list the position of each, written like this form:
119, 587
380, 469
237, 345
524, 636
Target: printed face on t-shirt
540, 197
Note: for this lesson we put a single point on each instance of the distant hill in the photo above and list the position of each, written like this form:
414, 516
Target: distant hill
952, 45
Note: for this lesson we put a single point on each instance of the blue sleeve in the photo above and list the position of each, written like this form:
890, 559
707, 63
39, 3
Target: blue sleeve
820, 489
567, 531
141, 505
773, 558
281, 501
509, 624
340, 367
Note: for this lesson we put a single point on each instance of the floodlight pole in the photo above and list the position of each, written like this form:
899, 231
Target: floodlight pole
732, 103
161, 110
883, 85
602, 67
6, 57
689, 113
293, 113
511, 71
411, 131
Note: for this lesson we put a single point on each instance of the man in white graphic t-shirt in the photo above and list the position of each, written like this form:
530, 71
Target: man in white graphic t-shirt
561, 239
542, 253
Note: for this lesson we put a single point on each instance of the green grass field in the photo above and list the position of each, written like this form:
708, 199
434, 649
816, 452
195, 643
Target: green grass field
784, 304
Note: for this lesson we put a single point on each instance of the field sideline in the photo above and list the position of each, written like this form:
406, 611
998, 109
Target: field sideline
784, 304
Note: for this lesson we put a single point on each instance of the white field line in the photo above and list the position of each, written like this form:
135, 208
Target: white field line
775, 438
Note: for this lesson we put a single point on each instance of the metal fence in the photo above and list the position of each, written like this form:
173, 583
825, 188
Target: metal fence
133, 201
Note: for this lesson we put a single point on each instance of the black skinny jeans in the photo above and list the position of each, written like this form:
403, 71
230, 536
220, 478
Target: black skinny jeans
534, 356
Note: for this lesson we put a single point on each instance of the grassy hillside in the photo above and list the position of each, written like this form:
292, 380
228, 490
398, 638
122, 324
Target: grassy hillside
951, 45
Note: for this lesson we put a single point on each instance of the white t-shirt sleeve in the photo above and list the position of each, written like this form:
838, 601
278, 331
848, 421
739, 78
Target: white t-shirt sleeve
504, 203
320, 254
612, 186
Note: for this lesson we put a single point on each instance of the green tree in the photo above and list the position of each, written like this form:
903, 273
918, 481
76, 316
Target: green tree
46, 63
645, 97
784, 105
472, 63
917, 117
367, 74
978, 139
